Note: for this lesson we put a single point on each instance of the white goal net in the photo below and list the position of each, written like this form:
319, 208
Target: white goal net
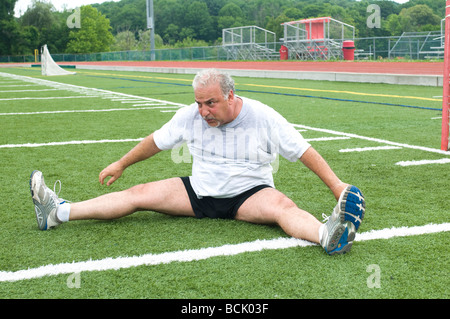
48, 66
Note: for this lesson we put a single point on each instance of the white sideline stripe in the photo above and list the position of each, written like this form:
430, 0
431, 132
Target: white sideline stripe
364, 149
423, 162
111, 94
203, 253
93, 92
331, 138
70, 143
89, 111
16, 85
422, 148
19, 91
45, 98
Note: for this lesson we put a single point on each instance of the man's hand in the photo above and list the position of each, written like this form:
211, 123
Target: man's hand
114, 170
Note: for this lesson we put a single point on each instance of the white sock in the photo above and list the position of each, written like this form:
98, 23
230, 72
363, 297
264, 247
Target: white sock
321, 228
63, 212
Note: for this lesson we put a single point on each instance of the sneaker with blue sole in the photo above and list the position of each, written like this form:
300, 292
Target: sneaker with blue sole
340, 228
45, 202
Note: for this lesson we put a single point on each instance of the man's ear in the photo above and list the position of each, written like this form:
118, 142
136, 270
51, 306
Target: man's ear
231, 97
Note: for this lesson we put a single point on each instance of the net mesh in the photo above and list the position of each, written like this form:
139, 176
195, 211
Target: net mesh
48, 66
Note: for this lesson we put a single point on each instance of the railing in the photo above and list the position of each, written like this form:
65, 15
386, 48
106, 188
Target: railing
413, 47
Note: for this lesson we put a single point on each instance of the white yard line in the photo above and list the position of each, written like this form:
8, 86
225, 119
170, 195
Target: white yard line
94, 92
157, 106
44, 98
83, 90
16, 85
329, 138
423, 162
372, 139
20, 91
364, 149
202, 253
71, 143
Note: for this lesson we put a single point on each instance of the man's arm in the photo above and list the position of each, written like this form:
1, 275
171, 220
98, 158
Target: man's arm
315, 162
145, 149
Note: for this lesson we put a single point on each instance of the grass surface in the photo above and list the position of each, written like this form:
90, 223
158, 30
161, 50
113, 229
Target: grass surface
410, 267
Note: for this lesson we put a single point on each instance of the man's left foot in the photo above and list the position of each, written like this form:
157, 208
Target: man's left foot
46, 202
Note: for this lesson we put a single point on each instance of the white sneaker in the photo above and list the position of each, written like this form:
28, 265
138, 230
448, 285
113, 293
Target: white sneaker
340, 228
45, 201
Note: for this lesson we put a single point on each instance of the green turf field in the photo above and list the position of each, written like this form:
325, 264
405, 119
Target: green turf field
375, 136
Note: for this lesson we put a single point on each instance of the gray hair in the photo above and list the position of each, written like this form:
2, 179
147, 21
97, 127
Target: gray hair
211, 76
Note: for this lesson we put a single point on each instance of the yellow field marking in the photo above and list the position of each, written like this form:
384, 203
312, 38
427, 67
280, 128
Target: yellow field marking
280, 87
138, 76
346, 92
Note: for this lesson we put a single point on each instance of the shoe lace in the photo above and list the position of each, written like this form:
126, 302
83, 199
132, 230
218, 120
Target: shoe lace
325, 217
61, 200
54, 187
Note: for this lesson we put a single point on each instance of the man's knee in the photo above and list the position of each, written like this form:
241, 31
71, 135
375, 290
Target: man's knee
283, 203
137, 190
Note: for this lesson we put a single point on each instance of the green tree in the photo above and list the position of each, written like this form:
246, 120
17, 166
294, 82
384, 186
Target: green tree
418, 17
9, 28
169, 19
171, 34
39, 15
274, 25
94, 34
230, 16
394, 24
57, 36
144, 40
7, 9
125, 41
198, 19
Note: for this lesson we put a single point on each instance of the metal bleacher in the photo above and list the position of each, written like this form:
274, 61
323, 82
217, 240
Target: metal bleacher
418, 45
249, 43
317, 38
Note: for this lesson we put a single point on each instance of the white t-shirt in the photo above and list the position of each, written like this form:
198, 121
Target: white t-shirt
234, 157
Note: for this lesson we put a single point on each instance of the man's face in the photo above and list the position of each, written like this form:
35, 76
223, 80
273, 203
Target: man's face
212, 106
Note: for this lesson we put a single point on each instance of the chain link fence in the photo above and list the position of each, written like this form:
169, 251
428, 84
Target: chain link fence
411, 46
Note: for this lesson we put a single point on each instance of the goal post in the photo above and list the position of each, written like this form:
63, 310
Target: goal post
48, 65
446, 82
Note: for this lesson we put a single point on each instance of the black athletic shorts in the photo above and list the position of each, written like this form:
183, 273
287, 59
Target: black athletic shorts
225, 208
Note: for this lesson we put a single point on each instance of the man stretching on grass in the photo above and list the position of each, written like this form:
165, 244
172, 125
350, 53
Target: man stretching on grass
232, 140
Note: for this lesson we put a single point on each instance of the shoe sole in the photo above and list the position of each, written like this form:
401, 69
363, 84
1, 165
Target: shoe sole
40, 217
342, 239
353, 205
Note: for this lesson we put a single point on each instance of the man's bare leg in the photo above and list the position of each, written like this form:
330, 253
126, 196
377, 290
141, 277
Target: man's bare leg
270, 206
165, 196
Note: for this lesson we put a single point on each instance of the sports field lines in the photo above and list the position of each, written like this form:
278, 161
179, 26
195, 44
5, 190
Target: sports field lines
155, 107
290, 88
339, 136
395, 145
204, 253
24, 275
144, 103
348, 92
85, 93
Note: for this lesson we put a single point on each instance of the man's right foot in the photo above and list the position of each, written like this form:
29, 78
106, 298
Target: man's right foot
340, 228
45, 202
